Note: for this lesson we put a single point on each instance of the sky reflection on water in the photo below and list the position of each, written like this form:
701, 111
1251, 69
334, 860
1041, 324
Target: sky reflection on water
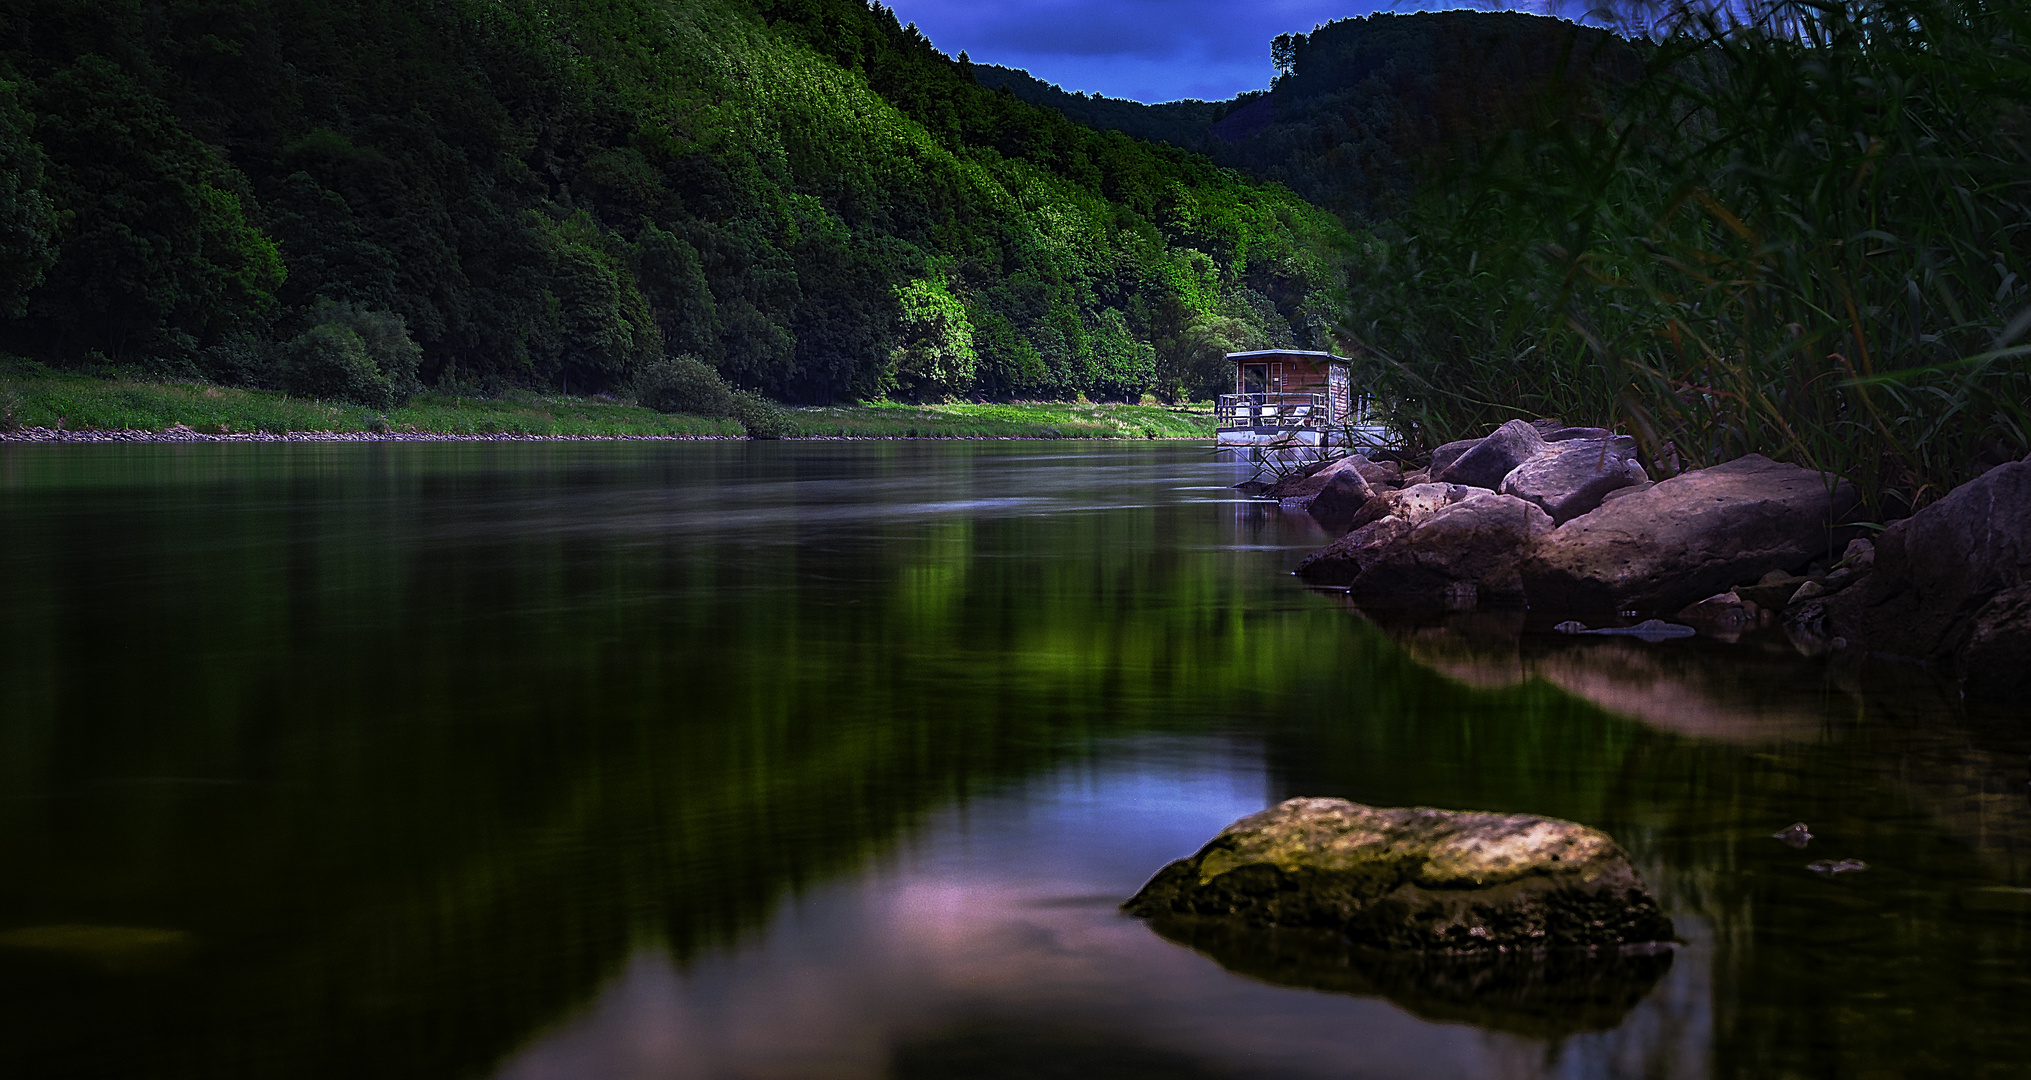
765, 759
999, 922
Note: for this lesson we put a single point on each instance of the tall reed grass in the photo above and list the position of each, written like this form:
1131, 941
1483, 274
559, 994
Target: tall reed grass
1790, 227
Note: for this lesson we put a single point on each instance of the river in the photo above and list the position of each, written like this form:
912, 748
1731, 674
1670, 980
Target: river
752, 760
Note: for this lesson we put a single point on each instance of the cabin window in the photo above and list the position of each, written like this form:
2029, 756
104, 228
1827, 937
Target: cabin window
1255, 378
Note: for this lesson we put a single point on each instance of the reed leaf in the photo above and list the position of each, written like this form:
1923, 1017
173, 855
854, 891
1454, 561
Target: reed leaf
1799, 230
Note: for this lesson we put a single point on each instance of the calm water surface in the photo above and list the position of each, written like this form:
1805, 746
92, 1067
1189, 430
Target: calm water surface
833, 760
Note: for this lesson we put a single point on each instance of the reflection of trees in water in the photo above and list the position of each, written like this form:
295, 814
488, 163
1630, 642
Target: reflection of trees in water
500, 726
505, 717
1892, 968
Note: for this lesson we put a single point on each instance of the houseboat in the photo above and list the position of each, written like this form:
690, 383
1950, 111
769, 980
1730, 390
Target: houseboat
1287, 398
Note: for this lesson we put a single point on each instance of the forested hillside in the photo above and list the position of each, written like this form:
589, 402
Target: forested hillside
1362, 105
802, 193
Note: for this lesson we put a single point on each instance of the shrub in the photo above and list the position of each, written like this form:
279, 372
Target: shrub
762, 418
684, 384
387, 340
236, 360
330, 361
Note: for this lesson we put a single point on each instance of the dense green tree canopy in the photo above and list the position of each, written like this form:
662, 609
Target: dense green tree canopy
1361, 107
805, 194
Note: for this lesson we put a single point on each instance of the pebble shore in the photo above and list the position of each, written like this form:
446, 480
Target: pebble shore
182, 434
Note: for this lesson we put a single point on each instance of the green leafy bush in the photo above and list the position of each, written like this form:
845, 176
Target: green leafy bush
762, 418
386, 337
683, 384
330, 362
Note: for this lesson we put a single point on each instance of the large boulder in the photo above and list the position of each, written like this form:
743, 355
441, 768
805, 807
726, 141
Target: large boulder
1305, 481
1466, 551
1343, 496
1413, 879
1937, 570
1572, 476
1343, 560
1485, 463
1447, 454
1297, 489
1996, 662
1382, 518
1414, 503
1689, 537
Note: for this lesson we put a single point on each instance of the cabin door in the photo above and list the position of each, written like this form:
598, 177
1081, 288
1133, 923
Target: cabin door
1338, 394
1254, 379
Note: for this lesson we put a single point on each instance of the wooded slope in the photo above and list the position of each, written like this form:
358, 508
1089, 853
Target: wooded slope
803, 193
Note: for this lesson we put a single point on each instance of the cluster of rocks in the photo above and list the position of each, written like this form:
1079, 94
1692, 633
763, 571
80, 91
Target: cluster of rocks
1566, 521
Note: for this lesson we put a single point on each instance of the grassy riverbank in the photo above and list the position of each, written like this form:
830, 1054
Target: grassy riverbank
46, 399
1049, 420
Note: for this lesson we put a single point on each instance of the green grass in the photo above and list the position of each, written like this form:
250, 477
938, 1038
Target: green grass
1045, 420
129, 402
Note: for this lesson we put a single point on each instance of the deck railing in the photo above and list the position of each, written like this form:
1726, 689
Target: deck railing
1275, 410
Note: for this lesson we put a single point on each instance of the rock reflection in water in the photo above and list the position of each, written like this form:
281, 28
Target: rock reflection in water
1967, 776
1740, 693
1549, 996
992, 946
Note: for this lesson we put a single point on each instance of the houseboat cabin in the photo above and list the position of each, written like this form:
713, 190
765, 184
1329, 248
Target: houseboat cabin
1285, 397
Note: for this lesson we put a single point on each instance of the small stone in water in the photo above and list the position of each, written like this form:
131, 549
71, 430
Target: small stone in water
1830, 867
1797, 835
1651, 630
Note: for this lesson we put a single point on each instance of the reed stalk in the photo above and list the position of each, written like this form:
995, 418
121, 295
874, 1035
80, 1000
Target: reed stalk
1799, 229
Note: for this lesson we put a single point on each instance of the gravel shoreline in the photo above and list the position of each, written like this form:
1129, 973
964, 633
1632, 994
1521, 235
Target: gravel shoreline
185, 435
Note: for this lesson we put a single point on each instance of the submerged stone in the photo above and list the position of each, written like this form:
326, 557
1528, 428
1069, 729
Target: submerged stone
1795, 835
1413, 879
1652, 630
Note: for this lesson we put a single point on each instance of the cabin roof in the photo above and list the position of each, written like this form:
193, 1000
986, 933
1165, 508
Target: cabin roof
1237, 357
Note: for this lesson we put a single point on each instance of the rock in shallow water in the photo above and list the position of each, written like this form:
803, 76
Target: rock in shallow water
1953, 582
1688, 537
1470, 547
1342, 497
1423, 543
1413, 879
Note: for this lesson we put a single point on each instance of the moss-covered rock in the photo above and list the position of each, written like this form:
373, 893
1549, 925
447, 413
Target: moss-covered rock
1413, 879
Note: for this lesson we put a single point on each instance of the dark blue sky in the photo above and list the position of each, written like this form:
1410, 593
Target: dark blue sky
1150, 50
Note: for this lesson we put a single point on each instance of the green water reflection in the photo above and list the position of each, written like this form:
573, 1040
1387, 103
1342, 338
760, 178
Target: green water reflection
414, 751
